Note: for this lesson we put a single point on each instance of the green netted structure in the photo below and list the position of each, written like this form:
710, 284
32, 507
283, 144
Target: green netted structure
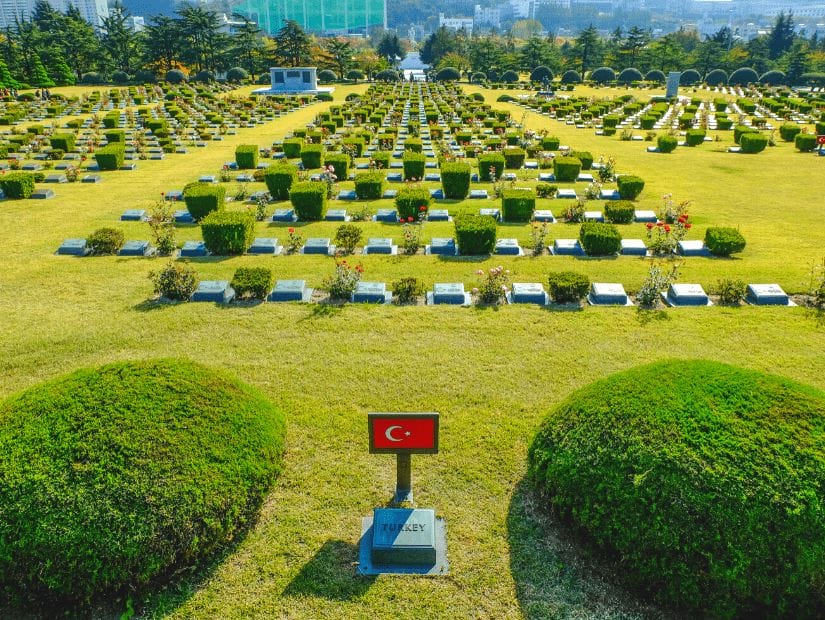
319, 16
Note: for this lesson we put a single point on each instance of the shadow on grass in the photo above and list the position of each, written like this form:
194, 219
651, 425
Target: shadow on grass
331, 574
648, 316
323, 311
556, 574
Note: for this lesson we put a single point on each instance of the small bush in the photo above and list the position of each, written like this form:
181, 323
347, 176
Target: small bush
236, 75
340, 163
717, 77
789, 131
369, 185
414, 164
629, 75
602, 75
309, 198
585, 157
666, 143
619, 211
546, 190
407, 290
341, 285
246, 156
517, 205
805, 142
550, 143
630, 186
228, 233
253, 282
205, 76
568, 286
106, 241
410, 200
514, 157
326, 76
347, 237
743, 77
279, 179
571, 77
175, 281
541, 74
599, 239
724, 240
115, 136
176, 76
92, 77
730, 291
655, 76
17, 185
695, 137
312, 156
292, 147
690, 77
566, 169
455, 180
62, 141
448, 74
753, 142
475, 234
110, 157
203, 198
488, 161
509, 77
144, 76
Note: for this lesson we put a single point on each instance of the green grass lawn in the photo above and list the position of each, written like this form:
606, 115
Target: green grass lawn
492, 373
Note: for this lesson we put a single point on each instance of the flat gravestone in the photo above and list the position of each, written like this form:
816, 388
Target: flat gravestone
265, 245
284, 215
585, 177
509, 176
608, 294
244, 178
135, 248
479, 194
438, 215
336, 215
441, 246
183, 216
157, 156
566, 193
527, 293
432, 176
644, 216
73, 247
362, 165
403, 536
508, 247
543, 215
633, 247
652, 149
567, 247
133, 215
610, 194
395, 177
42, 194
692, 248
767, 295
547, 177
217, 291
431, 164
593, 216
32, 167
174, 195
389, 216
131, 166
380, 245
347, 194
290, 290
318, 245
493, 213
531, 164
207, 178
686, 295
389, 193
448, 293
91, 178
396, 164
193, 249
437, 194
371, 292
56, 178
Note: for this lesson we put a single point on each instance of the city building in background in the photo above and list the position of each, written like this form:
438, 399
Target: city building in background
12, 11
318, 16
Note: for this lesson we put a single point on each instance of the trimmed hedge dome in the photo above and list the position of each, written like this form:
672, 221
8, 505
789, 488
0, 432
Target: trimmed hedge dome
115, 475
707, 481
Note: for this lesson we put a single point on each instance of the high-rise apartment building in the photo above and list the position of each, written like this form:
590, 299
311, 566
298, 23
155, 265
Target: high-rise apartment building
319, 16
93, 11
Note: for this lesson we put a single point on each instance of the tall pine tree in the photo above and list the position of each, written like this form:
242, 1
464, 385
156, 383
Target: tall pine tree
39, 77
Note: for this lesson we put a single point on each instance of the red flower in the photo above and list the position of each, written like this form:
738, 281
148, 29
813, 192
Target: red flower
660, 224
667, 228
688, 225
291, 230
410, 218
422, 208
649, 225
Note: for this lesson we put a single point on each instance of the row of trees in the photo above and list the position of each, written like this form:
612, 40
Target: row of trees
58, 48
779, 49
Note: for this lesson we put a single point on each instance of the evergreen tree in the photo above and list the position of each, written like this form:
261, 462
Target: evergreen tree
292, 45
60, 72
799, 62
781, 36
164, 42
39, 77
587, 48
247, 46
340, 54
389, 47
439, 43
118, 39
6, 80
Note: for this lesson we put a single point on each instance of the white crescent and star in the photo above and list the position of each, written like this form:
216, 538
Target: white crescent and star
390, 429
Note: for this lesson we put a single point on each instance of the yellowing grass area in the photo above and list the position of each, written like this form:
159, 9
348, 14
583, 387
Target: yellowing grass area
492, 373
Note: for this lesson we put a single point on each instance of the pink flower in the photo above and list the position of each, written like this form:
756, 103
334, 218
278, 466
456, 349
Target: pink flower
475, 291
410, 218
480, 272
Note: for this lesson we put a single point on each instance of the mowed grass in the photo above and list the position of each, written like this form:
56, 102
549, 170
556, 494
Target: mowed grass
492, 374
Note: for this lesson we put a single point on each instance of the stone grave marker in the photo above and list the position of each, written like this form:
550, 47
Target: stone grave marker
448, 293
380, 245
284, 215
136, 248
336, 215
133, 215
389, 193
508, 247
371, 292
566, 194
566, 247
692, 247
644, 216
73, 247
290, 290
479, 194
56, 178
633, 247
389, 216
193, 249
265, 245
438, 215
608, 294
767, 295
441, 246
218, 291
686, 295
527, 293
42, 194
543, 215
492, 212
318, 245
91, 178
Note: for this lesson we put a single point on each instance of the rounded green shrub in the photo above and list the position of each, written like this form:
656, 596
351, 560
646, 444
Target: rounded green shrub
805, 142
309, 198
369, 185
490, 162
509, 77
117, 475
743, 76
455, 179
17, 184
666, 143
724, 240
279, 179
517, 205
568, 286
629, 75
717, 77
690, 77
585, 157
312, 156
630, 186
695, 137
566, 169
106, 241
236, 75
655, 76
410, 200
753, 142
448, 74
414, 164
789, 131
603, 75
228, 233
541, 74
705, 479
571, 76
475, 234
619, 211
600, 239
253, 282
203, 198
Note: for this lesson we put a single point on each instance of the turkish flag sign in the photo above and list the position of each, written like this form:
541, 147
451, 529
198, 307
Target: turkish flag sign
411, 433
820, 139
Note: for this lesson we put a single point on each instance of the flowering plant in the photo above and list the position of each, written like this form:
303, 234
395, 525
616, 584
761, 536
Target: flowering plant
607, 170
538, 234
670, 211
493, 287
342, 283
328, 177
658, 279
663, 238
294, 241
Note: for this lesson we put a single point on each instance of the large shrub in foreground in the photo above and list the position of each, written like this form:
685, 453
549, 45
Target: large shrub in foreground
227, 233
309, 198
705, 479
279, 179
455, 179
475, 234
116, 475
17, 184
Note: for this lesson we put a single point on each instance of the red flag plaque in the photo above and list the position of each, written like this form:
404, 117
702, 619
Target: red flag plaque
820, 140
403, 433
